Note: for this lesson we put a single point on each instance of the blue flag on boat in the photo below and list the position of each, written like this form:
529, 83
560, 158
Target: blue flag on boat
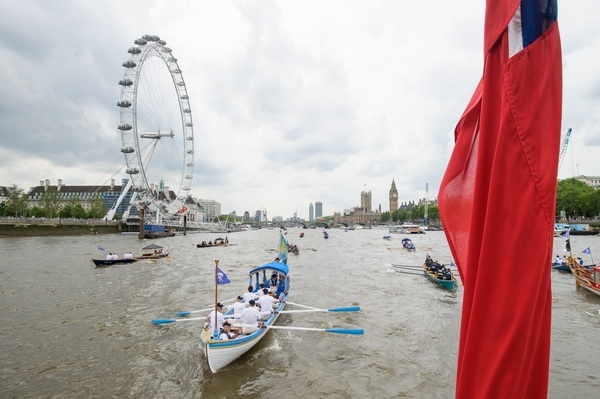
100, 248
283, 249
222, 277
587, 251
565, 234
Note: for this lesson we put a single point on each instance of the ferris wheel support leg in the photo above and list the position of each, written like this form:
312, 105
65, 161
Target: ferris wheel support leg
111, 213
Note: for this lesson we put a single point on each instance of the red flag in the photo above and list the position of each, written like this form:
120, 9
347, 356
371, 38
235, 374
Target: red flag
497, 202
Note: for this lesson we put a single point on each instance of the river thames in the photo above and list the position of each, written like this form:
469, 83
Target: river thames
70, 330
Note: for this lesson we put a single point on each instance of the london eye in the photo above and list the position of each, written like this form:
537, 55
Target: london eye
156, 129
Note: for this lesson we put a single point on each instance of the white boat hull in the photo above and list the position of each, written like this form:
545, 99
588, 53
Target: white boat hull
220, 354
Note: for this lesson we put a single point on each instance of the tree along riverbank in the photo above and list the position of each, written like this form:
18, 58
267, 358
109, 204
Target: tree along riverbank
23, 228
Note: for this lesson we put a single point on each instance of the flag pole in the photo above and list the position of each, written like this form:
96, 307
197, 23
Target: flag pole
216, 294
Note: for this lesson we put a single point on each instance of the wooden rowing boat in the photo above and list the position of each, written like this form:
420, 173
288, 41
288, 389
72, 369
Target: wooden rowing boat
219, 353
153, 251
219, 242
110, 262
570, 261
447, 284
587, 278
563, 267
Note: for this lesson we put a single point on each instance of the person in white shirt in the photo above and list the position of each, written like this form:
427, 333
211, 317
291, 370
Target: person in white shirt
267, 303
210, 319
249, 295
249, 317
237, 307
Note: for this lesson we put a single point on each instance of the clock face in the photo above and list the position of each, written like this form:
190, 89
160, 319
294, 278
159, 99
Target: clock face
394, 195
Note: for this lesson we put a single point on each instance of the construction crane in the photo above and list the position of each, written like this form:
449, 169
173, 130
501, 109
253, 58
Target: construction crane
563, 149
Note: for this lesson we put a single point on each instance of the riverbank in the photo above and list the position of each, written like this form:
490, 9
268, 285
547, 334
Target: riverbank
34, 228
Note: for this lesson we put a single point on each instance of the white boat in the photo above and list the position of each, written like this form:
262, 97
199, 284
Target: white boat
407, 229
219, 353
560, 228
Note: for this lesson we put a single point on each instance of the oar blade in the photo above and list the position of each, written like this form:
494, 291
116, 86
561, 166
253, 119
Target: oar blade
345, 309
353, 331
183, 313
163, 321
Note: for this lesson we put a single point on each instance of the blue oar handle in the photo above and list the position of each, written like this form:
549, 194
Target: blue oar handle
346, 309
354, 331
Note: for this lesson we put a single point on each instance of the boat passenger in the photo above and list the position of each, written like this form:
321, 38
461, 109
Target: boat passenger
249, 318
238, 306
448, 275
267, 303
226, 333
441, 273
249, 295
281, 288
273, 282
433, 268
220, 319
428, 261
563, 260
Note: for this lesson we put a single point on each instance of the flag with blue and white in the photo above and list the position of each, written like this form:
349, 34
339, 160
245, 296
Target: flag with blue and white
100, 248
283, 249
565, 234
587, 251
222, 277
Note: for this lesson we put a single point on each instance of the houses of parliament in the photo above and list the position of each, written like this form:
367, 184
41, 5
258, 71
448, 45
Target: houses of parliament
364, 214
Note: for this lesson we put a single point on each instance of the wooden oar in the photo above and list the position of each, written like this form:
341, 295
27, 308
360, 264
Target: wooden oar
346, 309
407, 267
302, 306
403, 272
167, 321
188, 312
353, 331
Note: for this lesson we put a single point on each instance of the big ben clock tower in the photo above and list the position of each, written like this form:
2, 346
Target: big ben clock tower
393, 197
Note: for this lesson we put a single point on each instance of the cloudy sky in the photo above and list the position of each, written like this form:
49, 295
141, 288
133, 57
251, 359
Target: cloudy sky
293, 102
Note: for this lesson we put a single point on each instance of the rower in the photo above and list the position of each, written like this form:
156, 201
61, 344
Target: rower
226, 333
249, 318
267, 303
